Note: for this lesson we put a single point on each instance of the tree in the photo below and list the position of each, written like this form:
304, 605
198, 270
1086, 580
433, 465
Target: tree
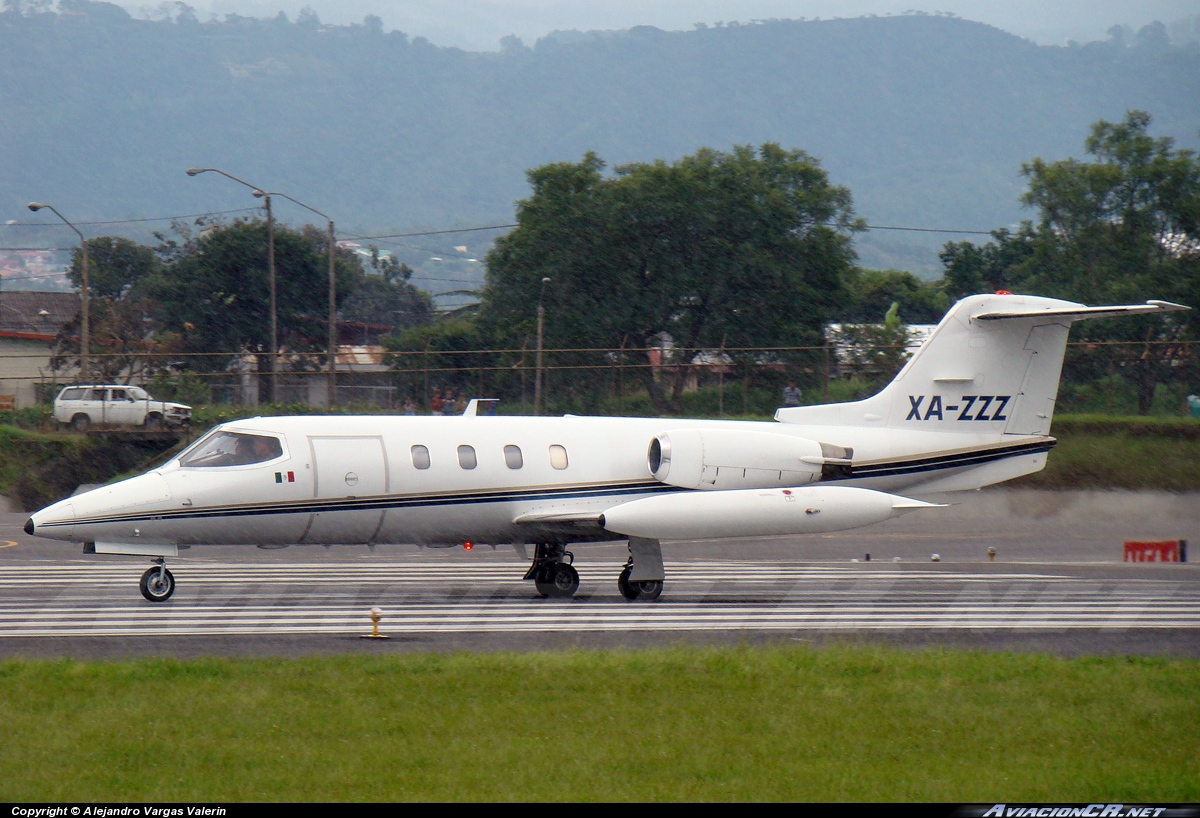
873, 292
995, 266
121, 276
877, 350
214, 294
115, 265
742, 249
385, 297
1120, 229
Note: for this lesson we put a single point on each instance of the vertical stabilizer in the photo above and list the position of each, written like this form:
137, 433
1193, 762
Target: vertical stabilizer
992, 365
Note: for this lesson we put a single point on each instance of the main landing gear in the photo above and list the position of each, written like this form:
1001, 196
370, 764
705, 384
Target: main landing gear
157, 583
552, 572
641, 579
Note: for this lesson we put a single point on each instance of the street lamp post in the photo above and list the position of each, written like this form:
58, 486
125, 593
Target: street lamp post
537, 376
332, 350
84, 326
266, 197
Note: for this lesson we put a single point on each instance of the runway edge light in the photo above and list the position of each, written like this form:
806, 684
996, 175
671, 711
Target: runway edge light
376, 615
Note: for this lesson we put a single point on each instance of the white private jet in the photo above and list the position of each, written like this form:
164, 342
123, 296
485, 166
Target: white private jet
971, 408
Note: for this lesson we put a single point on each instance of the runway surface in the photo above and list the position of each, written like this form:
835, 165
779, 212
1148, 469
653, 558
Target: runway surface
1063, 592
428, 598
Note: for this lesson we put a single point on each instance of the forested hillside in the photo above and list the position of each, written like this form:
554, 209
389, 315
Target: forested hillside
926, 119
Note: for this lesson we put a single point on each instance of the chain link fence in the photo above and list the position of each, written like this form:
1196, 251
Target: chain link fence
1115, 378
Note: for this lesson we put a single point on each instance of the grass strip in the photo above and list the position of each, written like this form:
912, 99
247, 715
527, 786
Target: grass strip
784, 723
1118, 460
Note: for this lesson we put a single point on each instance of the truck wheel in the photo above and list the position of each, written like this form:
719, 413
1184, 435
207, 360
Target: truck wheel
81, 422
153, 423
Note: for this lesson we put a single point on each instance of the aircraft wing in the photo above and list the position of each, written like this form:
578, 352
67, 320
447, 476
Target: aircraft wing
1080, 312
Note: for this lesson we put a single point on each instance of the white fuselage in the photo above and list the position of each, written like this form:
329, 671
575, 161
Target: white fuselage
351, 480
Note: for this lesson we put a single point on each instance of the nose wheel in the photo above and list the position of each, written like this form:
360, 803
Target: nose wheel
157, 583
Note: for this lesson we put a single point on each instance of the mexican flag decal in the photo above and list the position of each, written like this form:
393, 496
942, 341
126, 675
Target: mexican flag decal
285, 477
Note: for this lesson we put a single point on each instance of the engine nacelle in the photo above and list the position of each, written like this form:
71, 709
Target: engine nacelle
733, 459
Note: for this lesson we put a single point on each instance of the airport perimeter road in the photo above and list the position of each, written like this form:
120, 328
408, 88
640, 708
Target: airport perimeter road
1057, 586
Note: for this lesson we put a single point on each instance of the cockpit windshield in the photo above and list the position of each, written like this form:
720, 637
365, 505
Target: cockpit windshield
232, 449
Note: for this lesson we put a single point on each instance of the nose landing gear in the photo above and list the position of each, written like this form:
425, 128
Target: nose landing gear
157, 583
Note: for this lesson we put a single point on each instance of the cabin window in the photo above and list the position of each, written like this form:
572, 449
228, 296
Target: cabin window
97, 394
558, 456
512, 457
420, 457
233, 449
466, 457
72, 394
117, 394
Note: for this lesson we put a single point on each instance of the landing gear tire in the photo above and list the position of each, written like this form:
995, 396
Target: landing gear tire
558, 580
644, 591
157, 584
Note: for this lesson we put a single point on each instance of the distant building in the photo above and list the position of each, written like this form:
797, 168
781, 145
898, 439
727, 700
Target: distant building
29, 323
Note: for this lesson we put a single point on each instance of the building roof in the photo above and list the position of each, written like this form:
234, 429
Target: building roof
38, 315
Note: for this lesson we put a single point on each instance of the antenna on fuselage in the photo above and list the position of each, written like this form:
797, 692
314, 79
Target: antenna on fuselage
473, 406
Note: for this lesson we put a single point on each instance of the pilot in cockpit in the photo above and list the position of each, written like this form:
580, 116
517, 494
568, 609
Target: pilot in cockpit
254, 449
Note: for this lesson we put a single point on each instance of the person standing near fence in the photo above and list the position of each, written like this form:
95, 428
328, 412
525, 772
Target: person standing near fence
791, 394
435, 402
410, 408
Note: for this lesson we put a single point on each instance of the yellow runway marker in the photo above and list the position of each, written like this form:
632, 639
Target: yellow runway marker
7, 543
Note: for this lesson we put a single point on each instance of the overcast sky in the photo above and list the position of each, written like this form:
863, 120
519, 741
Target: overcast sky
478, 25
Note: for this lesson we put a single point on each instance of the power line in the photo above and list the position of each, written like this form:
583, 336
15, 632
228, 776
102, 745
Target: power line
506, 226
928, 230
133, 221
431, 232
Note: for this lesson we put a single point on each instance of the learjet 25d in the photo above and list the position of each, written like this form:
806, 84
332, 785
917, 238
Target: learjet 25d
971, 408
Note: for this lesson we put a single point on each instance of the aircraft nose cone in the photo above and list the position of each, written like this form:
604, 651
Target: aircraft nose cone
29, 526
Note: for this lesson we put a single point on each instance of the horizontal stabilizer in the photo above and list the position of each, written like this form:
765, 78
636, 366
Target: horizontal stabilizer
1081, 312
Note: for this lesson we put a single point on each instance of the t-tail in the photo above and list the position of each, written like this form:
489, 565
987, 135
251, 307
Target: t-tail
992, 365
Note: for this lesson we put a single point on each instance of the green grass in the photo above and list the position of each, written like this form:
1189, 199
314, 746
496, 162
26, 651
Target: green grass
786, 723
1121, 453
22, 450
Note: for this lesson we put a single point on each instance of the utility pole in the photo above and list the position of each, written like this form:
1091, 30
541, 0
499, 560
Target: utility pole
537, 376
84, 327
259, 192
274, 302
332, 353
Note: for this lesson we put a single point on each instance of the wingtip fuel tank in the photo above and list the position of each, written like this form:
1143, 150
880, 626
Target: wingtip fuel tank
755, 512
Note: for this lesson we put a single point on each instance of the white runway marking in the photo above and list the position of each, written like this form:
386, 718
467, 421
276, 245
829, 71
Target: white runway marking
439, 597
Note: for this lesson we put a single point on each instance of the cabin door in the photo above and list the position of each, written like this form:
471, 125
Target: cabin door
351, 476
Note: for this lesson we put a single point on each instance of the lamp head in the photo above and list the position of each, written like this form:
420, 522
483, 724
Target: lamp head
258, 194
194, 171
36, 206
546, 280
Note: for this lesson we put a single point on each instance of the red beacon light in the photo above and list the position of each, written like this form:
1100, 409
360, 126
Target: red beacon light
1003, 292
467, 546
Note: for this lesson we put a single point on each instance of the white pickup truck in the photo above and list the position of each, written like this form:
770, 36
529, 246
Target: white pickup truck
117, 405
